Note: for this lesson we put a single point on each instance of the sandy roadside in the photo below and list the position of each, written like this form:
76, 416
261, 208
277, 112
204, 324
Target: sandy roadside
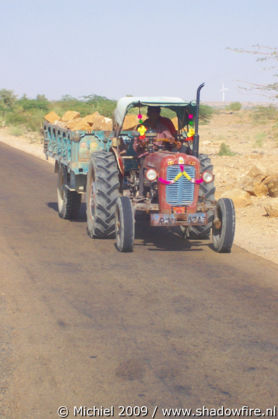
254, 233
23, 144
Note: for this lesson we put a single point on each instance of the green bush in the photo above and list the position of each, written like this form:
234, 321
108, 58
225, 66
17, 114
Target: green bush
16, 131
234, 106
32, 121
71, 104
30, 112
206, 113
225, 150
264, 113
7, 100
101, 104
40, 103
88, 105
16, 118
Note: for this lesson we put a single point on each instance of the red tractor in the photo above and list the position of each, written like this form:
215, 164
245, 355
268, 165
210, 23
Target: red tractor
161, 173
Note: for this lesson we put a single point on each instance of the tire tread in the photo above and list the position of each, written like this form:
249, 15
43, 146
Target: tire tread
107, 191
206, 192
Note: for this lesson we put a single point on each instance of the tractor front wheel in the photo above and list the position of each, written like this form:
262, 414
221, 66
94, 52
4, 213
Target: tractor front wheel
124, 224
223, 229
206, 194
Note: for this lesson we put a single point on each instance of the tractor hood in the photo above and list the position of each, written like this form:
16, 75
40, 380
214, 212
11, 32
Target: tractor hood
176, 104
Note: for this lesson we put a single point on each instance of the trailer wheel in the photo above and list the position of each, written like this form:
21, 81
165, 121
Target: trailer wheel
102, 193
206, 193
223, 237
69, 202
124, 224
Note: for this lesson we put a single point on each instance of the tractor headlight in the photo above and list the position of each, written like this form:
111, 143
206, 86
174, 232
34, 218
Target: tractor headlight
151, 175
207, 177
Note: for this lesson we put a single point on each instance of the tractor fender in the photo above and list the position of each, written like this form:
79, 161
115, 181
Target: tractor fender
119, 159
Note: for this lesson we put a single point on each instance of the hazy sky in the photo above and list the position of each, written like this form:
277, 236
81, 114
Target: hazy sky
114, 48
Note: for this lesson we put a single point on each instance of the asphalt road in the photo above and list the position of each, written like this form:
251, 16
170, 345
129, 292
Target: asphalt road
170, 325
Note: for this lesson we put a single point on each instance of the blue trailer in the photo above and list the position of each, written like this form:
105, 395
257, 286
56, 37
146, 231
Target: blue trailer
88, 164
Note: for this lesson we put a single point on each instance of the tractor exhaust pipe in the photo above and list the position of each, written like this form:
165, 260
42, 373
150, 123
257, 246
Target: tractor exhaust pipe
196, 135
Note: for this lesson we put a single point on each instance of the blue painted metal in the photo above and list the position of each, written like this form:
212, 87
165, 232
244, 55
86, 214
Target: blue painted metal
73, 149
182, 191
128, 138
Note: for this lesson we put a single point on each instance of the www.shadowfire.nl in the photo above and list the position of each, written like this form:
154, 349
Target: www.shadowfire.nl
220, 411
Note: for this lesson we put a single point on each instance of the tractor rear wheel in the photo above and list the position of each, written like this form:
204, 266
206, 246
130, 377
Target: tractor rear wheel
102, 193
69, 202
206, 193
223, 236
124, 224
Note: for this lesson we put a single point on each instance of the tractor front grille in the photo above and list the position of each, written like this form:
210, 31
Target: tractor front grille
182, 191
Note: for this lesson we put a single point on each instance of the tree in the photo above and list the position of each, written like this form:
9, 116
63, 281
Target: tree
40, 103
264, 54
68, 98
7, 102
7, 99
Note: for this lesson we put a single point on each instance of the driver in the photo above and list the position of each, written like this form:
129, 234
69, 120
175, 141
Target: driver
163, 126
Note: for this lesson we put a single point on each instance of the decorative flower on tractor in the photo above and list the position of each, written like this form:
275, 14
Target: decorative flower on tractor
179, 175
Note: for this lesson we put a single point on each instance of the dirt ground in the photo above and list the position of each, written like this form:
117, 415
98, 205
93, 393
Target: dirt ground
254, 143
